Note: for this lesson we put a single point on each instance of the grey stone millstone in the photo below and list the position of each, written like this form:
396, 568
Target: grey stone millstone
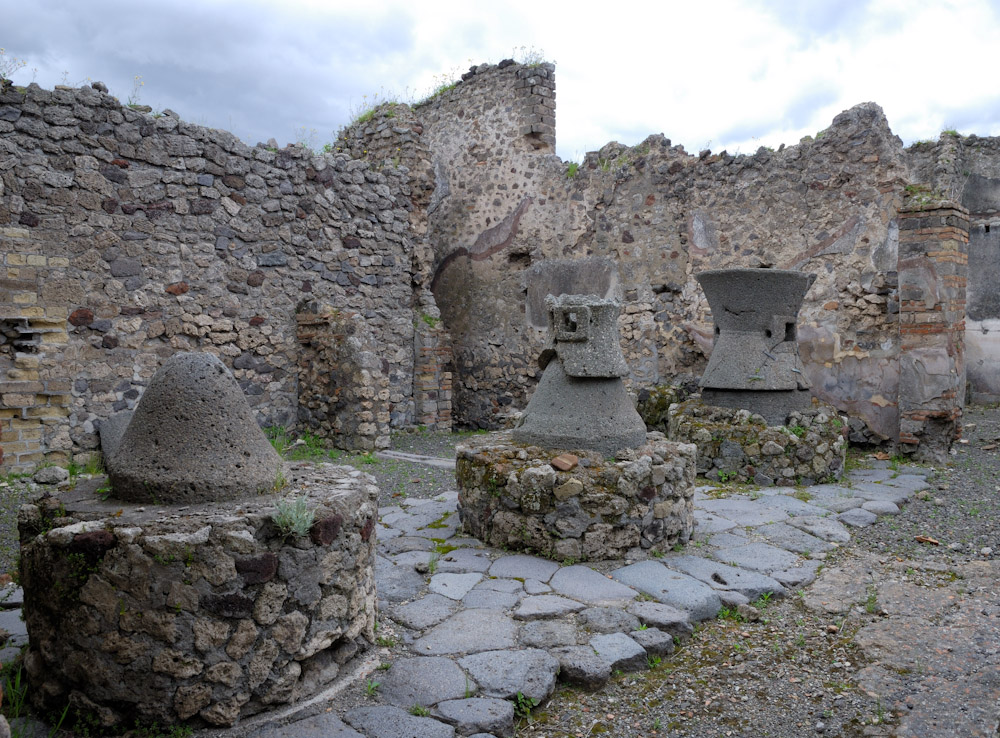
580, 413
581, 402
192, 438
111, 431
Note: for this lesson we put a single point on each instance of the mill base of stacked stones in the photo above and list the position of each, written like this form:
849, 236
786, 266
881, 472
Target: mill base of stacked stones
755, 420
176, 594
579, 478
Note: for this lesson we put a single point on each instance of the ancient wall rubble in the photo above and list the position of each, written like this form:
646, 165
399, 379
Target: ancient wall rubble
514, 223
511, 223
126, 237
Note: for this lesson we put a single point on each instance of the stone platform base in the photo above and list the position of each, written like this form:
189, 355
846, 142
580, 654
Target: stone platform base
510, 495
202, 614
737, 446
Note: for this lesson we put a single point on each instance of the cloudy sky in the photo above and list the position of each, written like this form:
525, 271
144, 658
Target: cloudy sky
719, 74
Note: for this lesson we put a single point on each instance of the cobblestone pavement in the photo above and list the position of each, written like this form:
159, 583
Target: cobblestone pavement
471, 638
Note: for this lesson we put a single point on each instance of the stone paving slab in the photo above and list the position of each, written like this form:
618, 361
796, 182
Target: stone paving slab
544, 607
671, 588
469, 631
424, 681
479, 715
464, 560
620, 651
799, 576
397, 583
435, 461
744, 511
707, 523
482, 625
827, 529
422, 613
857, 518
751, 585
549, 634
664, 617
793, 539
793, 506
505, 674
393, 722
760, 557
588, 586
522, 566
490, 599
326, 725
11, 596
455, 586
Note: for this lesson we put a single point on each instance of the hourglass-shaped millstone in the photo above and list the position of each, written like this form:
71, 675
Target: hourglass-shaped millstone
191, 439
755, 360
581, 402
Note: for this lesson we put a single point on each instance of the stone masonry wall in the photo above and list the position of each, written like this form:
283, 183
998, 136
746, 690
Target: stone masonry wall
343, 394
512, 222
126, 237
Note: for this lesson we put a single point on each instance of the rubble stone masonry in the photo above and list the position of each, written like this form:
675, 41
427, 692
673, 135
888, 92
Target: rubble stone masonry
127, 236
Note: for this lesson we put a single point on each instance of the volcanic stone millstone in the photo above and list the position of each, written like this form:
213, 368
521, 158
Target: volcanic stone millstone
192, 438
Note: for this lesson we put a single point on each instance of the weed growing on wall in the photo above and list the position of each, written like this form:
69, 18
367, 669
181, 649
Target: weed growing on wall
293, 517
9, 64
529, 56
136, 94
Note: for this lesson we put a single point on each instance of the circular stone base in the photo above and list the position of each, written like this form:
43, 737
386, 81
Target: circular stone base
511, 495
738, 446
202, 614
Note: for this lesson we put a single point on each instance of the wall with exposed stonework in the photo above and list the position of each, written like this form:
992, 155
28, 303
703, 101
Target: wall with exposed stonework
443, 225
509, 222
126, 237
966, 170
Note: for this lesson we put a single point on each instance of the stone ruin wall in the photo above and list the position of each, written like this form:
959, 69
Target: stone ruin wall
508, 222
126, 237
511, 222
445, 225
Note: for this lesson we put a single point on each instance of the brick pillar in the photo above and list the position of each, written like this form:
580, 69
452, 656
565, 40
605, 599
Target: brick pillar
933, 264
431, 372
